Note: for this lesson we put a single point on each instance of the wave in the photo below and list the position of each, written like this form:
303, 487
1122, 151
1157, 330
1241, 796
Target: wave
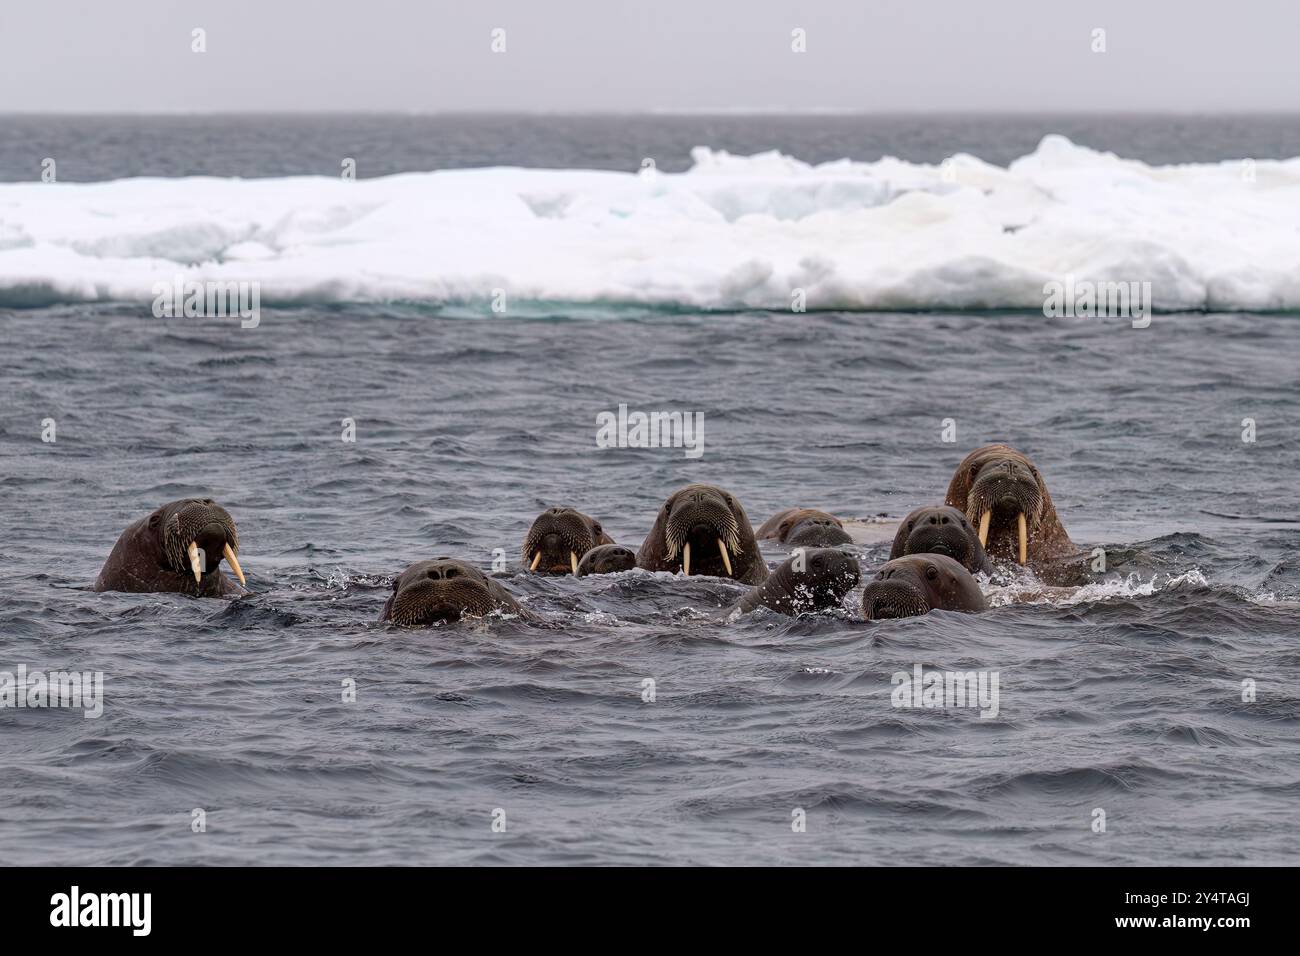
731, 233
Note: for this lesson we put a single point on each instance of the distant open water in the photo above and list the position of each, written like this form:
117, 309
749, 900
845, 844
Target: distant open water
1126, 696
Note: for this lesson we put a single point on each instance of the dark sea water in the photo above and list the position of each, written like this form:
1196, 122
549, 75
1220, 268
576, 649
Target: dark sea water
1125, 695
92, 148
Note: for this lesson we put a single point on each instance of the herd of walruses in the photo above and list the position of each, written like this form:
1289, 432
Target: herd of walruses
997, 509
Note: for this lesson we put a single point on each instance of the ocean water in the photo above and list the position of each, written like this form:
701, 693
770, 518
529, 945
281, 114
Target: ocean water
1125, 695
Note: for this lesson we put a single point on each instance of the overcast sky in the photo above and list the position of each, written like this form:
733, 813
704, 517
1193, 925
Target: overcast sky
612, 55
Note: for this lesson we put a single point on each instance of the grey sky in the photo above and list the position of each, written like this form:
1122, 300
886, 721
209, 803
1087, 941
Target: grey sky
603, 55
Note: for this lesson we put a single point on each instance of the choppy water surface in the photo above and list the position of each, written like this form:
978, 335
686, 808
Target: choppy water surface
1125, 696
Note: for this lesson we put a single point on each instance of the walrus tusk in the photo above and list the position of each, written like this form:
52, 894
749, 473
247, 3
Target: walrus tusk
231, 560
686, 558
537, 559
726, 558
1024, 538
573, 560
195, 564
984, 528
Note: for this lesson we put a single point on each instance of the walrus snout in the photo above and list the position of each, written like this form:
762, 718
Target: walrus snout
1006, 495
196, 534
887, 598
558, 538
702, 529
442, 591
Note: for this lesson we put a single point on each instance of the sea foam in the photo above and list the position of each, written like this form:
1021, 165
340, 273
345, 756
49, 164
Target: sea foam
758, 232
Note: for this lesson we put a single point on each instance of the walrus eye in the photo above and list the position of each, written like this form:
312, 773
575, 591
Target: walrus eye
596, 528
153, 520
909, 525
931, 573
451, 573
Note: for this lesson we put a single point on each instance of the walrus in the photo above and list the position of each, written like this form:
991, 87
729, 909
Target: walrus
178, 548
702, 529
606, 559
558, 538
1002, 494
940, 529
920, 583
811, 579
445, 590
804, 528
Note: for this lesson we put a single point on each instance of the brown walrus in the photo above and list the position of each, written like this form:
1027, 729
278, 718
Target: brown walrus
606, 559
811, 579
940, 529
702, 529
444, 590
918, 584
178, 548
1002, 494
804, 528
558, 538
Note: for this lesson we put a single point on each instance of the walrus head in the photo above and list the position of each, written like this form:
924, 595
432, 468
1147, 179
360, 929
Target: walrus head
702, 530
806, 528
940, 529
817, 578
1003, 497
193, 535
558, 538
606, 559
811, 579
444, 590
920, 583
